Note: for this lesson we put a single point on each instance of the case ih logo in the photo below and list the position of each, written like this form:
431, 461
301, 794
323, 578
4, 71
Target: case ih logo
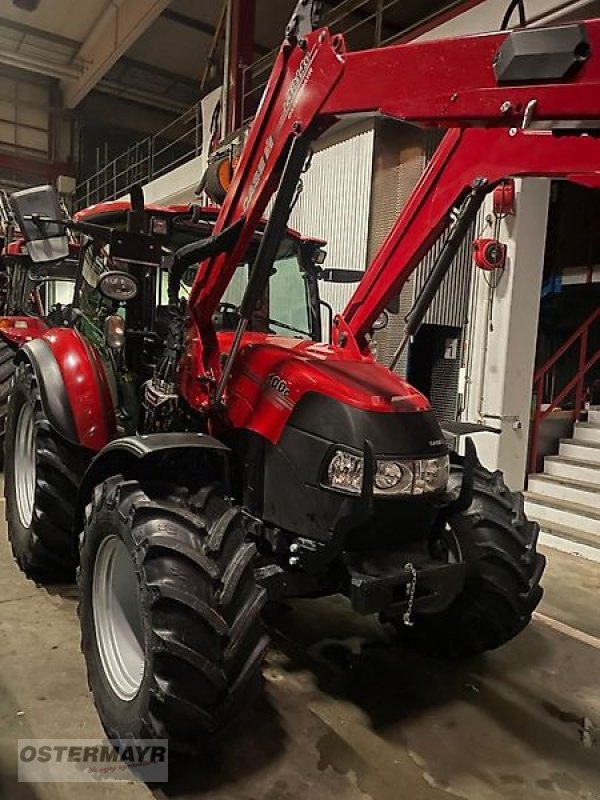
259, 171
278, 385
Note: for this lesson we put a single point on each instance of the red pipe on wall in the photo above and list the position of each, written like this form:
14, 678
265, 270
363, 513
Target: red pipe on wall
241, 55
49, 170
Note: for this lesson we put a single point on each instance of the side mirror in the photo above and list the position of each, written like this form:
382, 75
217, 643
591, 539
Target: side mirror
341, 275
38, 213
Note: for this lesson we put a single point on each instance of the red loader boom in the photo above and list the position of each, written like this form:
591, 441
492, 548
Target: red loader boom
504, 98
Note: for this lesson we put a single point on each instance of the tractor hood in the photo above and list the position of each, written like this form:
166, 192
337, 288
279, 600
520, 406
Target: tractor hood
273, 374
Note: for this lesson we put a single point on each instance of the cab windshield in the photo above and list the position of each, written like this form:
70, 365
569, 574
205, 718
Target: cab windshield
284, 308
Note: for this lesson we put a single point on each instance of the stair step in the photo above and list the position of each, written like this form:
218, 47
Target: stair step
574, 491
587, 432
569, 540
564, 467
550, 510
572, 533
582, 451
594, 414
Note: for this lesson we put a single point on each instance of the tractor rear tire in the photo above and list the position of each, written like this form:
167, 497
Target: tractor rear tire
7, 373
188, 660
41, 478
501, 589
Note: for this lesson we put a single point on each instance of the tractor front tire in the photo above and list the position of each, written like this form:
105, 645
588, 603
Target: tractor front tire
7, 373
503, 570
170, 612
41, 478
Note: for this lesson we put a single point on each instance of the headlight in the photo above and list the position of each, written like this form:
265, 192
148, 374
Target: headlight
431, 474
345, 471
392, 476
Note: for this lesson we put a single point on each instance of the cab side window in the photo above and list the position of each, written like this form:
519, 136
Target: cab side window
93, 307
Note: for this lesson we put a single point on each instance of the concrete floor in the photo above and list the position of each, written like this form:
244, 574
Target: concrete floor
345, 717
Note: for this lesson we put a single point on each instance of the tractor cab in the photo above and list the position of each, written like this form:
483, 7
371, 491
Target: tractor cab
290, 304
136, 268
38, 295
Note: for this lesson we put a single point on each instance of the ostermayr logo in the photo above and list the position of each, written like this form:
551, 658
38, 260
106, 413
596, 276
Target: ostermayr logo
90, 760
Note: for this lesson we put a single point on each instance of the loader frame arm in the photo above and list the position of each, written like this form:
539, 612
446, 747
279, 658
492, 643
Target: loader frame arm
474, 86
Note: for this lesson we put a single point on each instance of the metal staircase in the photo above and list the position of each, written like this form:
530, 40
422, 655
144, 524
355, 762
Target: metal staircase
565, 497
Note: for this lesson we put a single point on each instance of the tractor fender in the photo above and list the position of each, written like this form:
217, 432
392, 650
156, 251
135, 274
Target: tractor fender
74, 389
134, 456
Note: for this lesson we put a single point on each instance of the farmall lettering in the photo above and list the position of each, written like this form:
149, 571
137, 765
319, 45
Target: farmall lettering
303, 73
259, 171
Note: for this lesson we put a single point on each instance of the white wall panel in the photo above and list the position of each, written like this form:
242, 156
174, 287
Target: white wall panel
24, 116
334, 203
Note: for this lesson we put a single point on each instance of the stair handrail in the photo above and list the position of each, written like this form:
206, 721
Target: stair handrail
576, 382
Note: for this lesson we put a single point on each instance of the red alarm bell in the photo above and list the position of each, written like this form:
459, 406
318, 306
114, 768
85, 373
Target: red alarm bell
489, 254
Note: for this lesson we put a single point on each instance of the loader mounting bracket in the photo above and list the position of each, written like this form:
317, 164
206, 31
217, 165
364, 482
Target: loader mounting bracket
305, 19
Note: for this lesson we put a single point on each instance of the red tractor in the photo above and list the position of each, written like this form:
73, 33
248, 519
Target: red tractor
195, 457
34, 299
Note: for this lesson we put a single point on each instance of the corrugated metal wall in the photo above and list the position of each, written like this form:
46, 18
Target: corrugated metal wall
450, 306
401, 153
399, 158
334, 203
451, 301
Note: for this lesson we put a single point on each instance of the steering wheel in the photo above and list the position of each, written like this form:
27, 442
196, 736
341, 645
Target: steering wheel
58, 315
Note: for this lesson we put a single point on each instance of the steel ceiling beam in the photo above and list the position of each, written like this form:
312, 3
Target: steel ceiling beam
39, 66
31, 166
203, 27
188, 22
121, 24
174, 77
29, 30
140, 96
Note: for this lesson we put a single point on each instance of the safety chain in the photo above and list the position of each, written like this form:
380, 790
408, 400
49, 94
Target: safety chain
411, 588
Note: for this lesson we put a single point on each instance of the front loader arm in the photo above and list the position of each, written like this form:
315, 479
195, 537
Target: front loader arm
481, 87
303, 76
475, 80
464, 157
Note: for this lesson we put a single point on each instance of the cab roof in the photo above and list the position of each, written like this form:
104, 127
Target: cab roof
113, 210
